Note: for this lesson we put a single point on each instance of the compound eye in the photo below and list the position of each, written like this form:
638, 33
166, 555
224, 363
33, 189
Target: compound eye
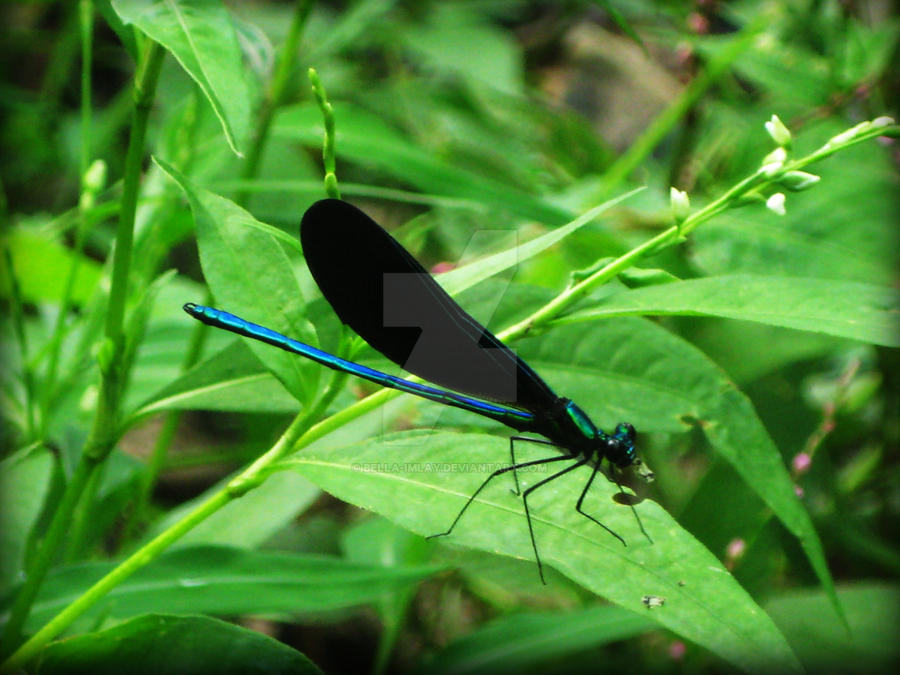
619, 452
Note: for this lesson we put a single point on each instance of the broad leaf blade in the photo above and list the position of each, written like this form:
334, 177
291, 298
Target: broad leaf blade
660, 382
250, 275
199, 33
422, 480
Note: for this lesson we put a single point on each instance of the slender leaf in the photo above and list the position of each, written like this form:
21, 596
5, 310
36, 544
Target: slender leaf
364, 138
177, 645
461, 278
222, 580
523, 641
841, 308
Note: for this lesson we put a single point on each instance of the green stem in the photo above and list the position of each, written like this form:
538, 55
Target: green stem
104, 430
274, 94
252, 476
86, 19
638, 152
85, 203
145, 88
140, 558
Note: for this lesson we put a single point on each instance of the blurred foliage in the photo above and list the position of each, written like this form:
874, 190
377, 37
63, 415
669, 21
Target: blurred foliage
757, 359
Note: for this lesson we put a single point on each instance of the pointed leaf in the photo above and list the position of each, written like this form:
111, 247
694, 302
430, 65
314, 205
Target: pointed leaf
842, 308
177, 645
200, 34
421, 480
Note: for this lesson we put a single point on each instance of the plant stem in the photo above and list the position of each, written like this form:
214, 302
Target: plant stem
85, 203
240, 485
638, 151
275, 95
104, 431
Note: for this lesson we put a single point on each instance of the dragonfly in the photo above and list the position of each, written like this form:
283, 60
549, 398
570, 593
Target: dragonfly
378, 289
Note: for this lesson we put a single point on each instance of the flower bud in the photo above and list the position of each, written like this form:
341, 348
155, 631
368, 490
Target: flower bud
798, 180
95, 176
773, 162
681, 204
779, 133
775, 203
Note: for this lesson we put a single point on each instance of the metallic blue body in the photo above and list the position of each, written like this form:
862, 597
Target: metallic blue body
562, 421
517, 419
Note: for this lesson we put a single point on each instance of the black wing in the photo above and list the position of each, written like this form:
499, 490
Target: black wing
378, 289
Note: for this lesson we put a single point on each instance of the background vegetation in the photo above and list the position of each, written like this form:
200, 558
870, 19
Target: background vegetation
174, 497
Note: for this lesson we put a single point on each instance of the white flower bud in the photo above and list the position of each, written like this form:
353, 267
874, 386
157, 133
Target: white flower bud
681, 204
775, 203
779, 133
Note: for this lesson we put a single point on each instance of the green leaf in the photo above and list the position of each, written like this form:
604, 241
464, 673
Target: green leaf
24, 483
201, 36
824, 644
247, 522
231, 380
178, 645
457, 40
368, 140
869, 49
783, 71
842, 308
660, 382
422, 480
34, 251
462, 278
221, 580
250, 275
524, 641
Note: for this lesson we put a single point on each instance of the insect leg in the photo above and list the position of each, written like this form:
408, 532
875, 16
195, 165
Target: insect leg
512, 455
488, 480
587, 515
531, 489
